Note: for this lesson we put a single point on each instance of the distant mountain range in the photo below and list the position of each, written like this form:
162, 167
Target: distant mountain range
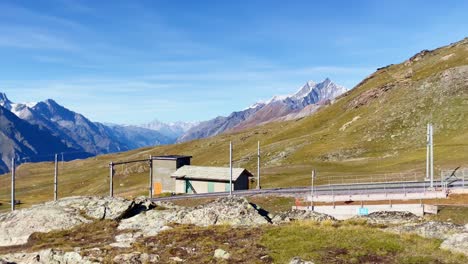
64, 131
36, 131
302, 103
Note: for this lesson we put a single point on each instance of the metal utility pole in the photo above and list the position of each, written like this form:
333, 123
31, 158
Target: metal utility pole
258, 166
151, 177
13, 171
111, 180
55, 178
432, 155
312, 191
427, 152
230, 168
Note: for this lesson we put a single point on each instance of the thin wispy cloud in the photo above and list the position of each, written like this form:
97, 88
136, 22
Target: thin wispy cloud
160, 58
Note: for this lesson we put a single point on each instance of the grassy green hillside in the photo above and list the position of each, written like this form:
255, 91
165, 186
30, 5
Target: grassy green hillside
378, 127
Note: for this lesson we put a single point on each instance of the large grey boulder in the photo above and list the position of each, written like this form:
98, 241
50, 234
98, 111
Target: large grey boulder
150, 223
17, 226
390, 218
235, 211
296, 215
48, 256
97, 207
457, 243
432, 229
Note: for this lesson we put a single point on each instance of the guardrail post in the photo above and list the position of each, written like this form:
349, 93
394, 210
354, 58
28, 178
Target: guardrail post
111, 179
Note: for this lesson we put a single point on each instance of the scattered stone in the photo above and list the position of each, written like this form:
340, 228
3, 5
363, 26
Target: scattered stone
221, 254
457, 243
125, 240
48, 256
298, 260
176, 259
439, 230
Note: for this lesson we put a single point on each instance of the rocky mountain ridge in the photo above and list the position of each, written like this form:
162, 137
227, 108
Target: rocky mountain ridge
80, 136
302, 103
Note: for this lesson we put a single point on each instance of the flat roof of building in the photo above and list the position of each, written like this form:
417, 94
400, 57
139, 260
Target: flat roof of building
203, 173
171, 157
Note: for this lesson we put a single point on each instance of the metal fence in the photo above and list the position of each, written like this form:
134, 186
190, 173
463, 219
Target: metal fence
52, 180
456, 178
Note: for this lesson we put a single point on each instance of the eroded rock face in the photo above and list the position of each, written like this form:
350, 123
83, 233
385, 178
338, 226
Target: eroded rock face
17, 226
48, 256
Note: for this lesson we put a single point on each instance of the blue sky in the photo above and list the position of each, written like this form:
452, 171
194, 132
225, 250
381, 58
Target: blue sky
134, 61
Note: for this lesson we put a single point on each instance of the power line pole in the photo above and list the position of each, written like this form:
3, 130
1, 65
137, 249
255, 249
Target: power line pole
13, 171
230, 168
312, 191
56, 178
427, 152
258, 166
111, 180
151, 177
432, 154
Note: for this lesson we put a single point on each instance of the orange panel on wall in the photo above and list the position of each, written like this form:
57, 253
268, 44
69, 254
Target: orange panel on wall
157, 188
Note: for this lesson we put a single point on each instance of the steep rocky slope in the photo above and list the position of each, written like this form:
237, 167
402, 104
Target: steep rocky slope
18, 138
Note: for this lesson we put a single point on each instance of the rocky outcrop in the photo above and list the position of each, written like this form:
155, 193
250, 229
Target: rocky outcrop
136, 257
457, 243
48, 256
17, 226
439, 230
455, 237
97, 207
235, 211
391, 218
295, 215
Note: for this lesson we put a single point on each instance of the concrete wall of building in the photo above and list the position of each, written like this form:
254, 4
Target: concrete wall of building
242, 183
162, 170
202, 186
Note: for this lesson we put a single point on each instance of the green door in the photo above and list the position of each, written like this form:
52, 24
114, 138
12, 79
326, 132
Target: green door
188, 187
226, 187
210, 187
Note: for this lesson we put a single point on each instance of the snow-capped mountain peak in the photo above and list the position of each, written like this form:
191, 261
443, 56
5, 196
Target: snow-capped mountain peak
5, 102
304, 90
